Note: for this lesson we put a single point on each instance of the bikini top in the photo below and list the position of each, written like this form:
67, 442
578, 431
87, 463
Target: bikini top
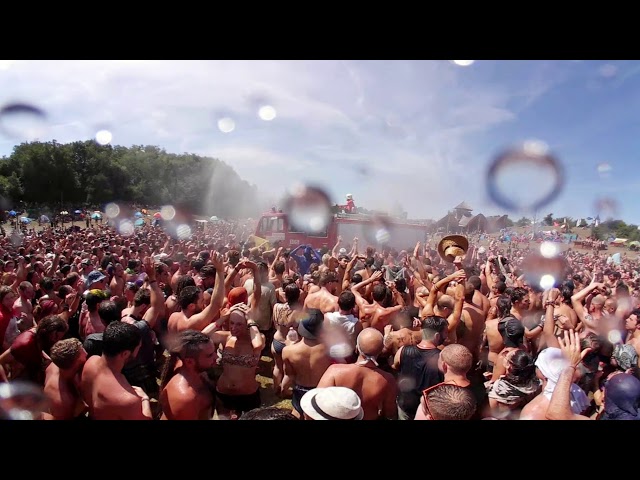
248, 360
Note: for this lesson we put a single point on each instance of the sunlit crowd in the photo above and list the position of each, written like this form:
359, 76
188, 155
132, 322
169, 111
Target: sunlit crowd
96, 324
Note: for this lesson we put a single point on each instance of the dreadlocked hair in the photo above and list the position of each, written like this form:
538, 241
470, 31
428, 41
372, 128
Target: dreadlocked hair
186, 344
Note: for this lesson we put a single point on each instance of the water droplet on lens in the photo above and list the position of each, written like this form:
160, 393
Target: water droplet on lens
604, 170
112, 210
405, 383
614, 336
608, 70
378, 231
20, 400
126, 228
167, 212
606, 208
20, 120
104, 137
543, 271
226, 125
525, 178
463, 63
549, 249
308, 209
183, 232
267, 113
547, 281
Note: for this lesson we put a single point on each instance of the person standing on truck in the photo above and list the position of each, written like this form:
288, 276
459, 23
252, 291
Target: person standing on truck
350, 207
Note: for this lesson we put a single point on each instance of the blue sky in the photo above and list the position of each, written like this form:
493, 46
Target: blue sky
421, 134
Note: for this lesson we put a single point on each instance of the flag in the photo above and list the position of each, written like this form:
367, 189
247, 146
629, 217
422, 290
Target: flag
259, 241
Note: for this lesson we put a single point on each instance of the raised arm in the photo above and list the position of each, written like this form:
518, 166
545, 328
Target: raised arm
356, 288
560, 404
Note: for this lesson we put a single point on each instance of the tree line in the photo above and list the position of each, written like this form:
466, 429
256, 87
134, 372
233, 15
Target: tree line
85, 174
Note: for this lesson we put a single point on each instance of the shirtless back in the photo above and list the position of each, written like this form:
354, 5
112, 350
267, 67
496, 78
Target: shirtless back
376, 388
472, 323
324, 299
104, 388
62, 381
306, 361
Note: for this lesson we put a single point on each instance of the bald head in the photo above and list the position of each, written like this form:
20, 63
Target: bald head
598, 300
370, 342
446, 301
458, 358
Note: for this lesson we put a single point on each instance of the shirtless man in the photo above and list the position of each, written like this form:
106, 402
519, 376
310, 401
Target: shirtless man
62, 381
401, 331
632, 325
471, 326
324, 299
479, 299
187, 394
367, 271
184, 269
171, 305
22, 307
377, 389
447, 306
374, 314
104, 388
193, 315
492, 334
306, 361
116, 286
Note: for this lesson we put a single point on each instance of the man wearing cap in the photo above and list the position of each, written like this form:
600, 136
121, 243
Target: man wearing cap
96, 280
332, 403
306, 361
376, 388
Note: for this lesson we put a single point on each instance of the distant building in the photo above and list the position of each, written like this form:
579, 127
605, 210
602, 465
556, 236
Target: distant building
461, 220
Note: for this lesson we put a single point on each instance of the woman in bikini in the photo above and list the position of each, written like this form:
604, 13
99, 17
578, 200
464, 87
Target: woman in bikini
237, 389
285, 318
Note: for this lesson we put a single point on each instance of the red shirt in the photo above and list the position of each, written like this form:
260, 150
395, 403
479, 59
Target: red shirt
5, 317
25, 349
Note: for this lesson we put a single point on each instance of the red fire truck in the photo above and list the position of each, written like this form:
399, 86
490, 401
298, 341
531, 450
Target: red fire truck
372, 230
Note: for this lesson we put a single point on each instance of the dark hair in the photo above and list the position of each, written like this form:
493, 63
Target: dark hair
109, 311
186, 344
503, 304
268, 413
187, 296
434, 324
184, 281
47, 326
523, 369
347, 300
379, 292
142, 297
292, 293
120, 337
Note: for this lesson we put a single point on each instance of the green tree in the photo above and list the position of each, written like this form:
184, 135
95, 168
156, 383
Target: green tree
523, 222
548, 220
51, 175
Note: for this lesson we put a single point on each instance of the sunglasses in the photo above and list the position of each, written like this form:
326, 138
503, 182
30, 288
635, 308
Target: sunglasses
427, 391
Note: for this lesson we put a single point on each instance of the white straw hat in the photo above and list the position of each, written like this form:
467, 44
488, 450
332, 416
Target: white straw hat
332, 403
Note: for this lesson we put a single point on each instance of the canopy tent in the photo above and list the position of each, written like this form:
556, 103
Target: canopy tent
618, 241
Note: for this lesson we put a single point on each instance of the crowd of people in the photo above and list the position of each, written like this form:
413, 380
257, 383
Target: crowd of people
150, 327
